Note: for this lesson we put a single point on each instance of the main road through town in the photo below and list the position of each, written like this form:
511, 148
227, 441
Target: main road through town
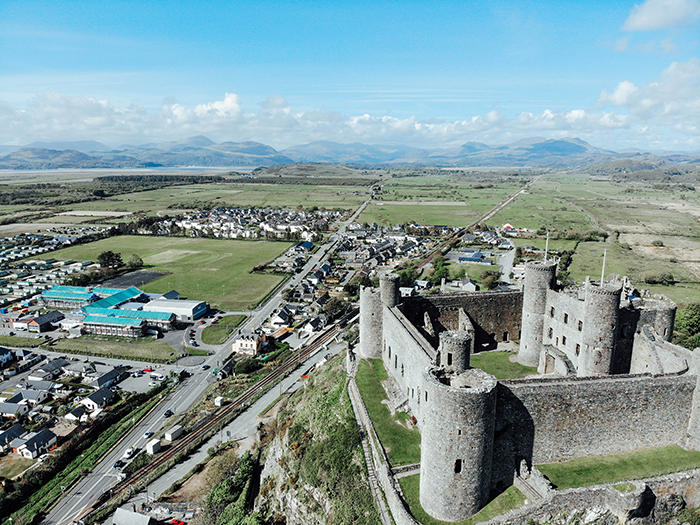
105, 475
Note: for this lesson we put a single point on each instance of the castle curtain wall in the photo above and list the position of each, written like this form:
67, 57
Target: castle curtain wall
551, 420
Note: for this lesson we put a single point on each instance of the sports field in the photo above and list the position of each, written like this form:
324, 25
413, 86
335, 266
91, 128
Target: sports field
212, 270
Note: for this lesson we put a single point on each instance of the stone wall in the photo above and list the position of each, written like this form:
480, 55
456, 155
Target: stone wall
496, 316
653, 355
548, 420
406, 355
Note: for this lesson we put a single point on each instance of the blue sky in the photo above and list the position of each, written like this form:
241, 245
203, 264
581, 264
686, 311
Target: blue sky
621, 75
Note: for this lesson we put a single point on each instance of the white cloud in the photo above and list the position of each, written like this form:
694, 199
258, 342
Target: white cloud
664, 112
659, 14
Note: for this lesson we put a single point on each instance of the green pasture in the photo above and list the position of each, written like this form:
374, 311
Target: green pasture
499, 365
554, 244
214, 270
507, 500
390, 213
139, 349
231, 194
620, 467
588, 260
401, 444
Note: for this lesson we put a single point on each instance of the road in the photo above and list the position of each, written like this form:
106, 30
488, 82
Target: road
105, 475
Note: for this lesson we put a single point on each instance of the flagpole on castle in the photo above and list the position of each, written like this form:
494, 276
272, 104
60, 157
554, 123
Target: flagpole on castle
546, 248
602, 274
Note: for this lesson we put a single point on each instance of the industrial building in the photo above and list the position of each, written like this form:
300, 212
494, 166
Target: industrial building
184, 310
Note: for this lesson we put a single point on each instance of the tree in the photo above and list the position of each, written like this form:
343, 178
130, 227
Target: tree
134, 262
109, 259
288, 294
687, 329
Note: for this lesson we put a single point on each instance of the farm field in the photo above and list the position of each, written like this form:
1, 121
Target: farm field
229, 194
438, 199
212, 270
633, 215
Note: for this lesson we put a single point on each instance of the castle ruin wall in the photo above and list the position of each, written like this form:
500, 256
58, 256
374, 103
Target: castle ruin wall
549, 420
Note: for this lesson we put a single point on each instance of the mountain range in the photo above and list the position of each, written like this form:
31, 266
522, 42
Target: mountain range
202, 152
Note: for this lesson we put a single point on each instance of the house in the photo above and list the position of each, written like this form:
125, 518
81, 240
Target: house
49, 370
98, 399
6, 356
106, 379
407, 291
315, 324
283, 318
13, 410
248, 344
76, 414
44, 322
29, 397
37, 443
14, 432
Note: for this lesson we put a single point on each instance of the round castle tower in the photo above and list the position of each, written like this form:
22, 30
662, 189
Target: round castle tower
456, 451
372, 303
599, 329
540, 277
455, 351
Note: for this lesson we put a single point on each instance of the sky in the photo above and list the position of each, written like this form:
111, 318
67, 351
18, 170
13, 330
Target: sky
620, 75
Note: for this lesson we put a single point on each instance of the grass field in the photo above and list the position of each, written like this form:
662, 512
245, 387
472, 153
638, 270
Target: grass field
12, 468
230, 194
401, 444
139, 349
218, 333
620, 467
509, 499
499, 365
212, 270
439, 199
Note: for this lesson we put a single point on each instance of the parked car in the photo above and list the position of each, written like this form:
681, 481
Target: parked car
168, 413
119, 464
147, 434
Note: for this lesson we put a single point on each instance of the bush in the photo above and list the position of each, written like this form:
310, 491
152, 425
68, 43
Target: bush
247, 366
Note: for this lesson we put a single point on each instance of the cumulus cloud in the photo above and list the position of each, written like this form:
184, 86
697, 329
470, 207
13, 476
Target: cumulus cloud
663, 113
659, 14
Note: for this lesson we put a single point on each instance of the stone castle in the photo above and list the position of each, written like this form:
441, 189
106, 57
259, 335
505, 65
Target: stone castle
609, 379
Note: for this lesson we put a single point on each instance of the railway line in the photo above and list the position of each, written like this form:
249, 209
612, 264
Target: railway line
212, 423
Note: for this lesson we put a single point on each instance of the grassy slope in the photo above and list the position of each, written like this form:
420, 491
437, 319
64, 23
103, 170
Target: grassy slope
620, 467
509, 499
402, 445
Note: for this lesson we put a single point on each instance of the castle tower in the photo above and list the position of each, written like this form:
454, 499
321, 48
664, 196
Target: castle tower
372, 303
599, 335
389, 289
540, 277
455, 349
371, 324
456, 442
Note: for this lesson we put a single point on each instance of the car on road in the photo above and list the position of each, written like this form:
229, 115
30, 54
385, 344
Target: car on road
202, 322
152, 384
168, 413
129, 452
147, 434
205, 367
119, 464
195, 343
148, 369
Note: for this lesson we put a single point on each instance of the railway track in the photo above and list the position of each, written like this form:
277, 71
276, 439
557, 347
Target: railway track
216, 419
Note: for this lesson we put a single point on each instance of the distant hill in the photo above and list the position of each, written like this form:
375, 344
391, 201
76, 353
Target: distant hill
535, 152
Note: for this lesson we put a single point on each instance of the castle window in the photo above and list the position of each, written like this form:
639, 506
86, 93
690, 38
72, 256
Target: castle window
578, 349
459, 432
396, 361
505, 336
449, 359
566, 318
551, 312
580, 326
550, 333
426, 396
458, 466
411, 393
563, 340
401, 369
556, 342
389, 352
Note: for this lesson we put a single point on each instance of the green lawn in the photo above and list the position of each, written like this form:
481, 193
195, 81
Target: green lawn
510, 499
19, 465
218, 333
212, 270
401, 445
499, 365
139, 349
620, 467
